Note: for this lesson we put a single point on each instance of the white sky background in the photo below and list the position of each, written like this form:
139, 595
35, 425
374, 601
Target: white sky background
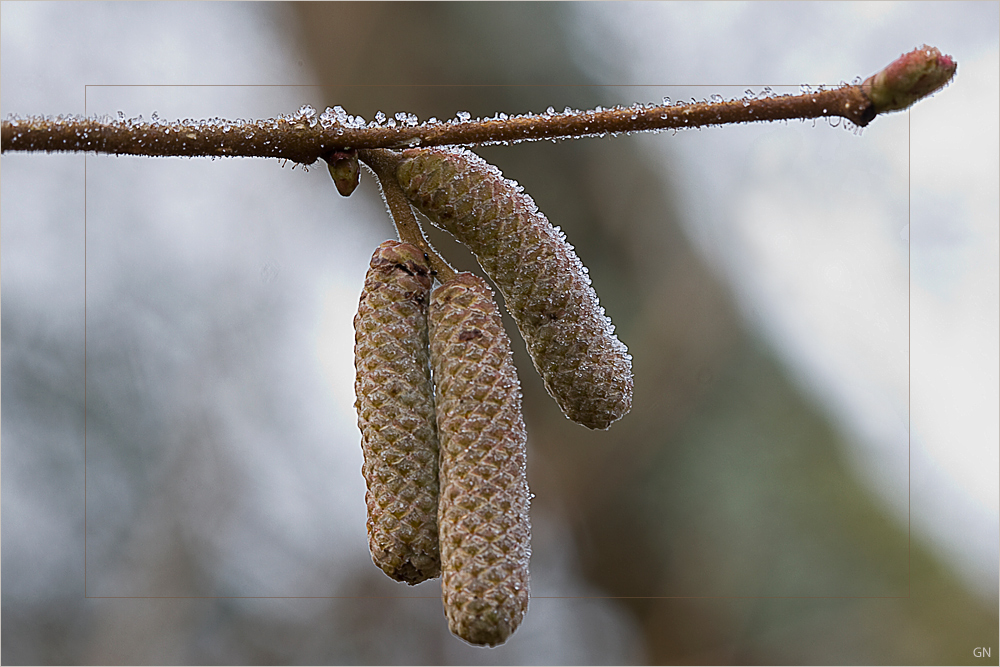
810, 226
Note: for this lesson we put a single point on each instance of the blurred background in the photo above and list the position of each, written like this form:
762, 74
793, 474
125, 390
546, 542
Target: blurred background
808, 475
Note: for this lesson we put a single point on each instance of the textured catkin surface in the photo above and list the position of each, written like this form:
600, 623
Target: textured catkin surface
547, 291
483, 515
395, 403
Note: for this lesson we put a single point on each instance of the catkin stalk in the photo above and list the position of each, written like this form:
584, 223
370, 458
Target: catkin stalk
483, 515
546, 288
395, 404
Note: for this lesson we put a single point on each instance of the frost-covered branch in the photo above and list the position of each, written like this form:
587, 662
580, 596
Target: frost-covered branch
304, 137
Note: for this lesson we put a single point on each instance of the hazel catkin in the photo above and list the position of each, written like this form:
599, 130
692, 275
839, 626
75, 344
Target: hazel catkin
572, 344
483, 514
395, 404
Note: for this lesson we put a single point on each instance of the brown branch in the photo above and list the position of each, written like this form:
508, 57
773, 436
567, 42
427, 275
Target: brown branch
383, 163
303, 138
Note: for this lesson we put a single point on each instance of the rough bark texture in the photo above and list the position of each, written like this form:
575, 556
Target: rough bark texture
547, 291
483, 514
395, 404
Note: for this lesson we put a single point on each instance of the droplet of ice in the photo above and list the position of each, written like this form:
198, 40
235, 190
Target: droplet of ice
379, 117
463, 116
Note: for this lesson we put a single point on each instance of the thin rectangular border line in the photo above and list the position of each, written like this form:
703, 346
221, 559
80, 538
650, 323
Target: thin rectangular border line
909, 540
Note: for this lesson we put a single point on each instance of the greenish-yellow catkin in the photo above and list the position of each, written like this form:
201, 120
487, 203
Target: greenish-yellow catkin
545, 286
483, 514
395, 403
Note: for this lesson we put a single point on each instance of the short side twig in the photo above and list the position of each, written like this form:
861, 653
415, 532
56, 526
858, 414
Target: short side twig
383, 164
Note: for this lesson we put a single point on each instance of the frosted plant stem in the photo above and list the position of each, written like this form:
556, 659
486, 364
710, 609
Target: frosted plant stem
909, 78
383, 163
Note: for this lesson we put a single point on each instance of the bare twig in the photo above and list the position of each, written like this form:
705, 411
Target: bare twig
303, 138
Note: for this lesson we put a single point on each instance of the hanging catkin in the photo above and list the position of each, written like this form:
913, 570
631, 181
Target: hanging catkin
546, 288
483, 513
395, 404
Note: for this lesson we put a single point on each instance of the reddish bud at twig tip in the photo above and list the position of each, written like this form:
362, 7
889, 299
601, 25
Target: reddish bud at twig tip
909, 78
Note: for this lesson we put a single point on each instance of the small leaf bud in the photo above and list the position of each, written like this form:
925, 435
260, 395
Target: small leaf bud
345, 171
909, 78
